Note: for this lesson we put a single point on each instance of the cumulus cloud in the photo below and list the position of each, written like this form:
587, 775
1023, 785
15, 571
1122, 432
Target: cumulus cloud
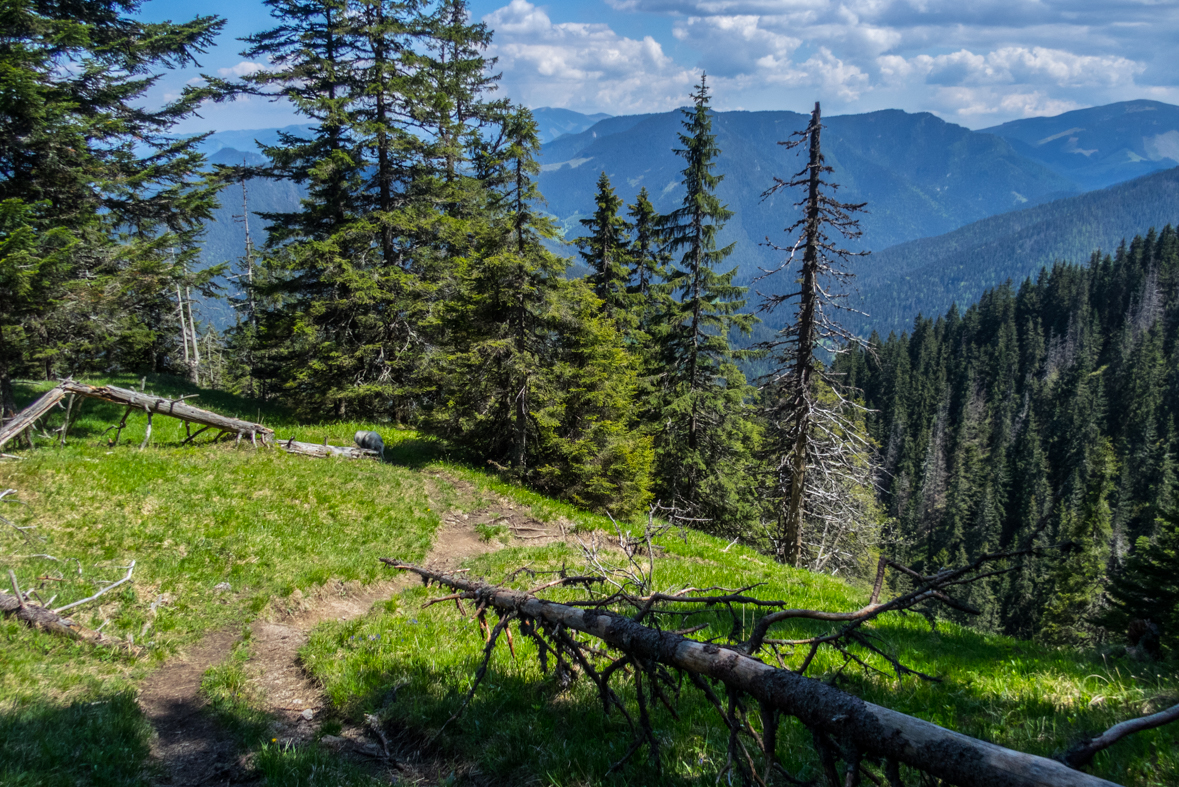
583, 66
962, 59
1014, 65
242, 69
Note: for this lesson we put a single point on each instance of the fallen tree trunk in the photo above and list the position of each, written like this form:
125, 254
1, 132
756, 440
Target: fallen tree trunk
47, 620
31, 414
323, 450
870, 729
175, 408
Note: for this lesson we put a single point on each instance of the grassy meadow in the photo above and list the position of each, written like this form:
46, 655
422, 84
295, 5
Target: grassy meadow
220, 533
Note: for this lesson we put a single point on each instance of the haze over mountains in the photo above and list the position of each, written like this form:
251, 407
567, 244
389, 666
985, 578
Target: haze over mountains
921, 177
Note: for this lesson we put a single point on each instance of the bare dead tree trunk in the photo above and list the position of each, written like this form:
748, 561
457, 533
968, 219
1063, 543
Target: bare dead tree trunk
30, 415
872, 730
811, 442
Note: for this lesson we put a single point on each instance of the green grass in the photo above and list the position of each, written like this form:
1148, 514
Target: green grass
522, 728
268, 523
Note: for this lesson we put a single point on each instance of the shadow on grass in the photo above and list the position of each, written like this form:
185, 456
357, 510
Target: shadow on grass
98, 742
414, 453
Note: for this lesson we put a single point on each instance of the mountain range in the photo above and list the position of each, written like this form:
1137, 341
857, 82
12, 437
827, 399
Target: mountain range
928, 275
930, 188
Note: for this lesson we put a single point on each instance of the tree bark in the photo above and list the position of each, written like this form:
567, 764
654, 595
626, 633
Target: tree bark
31, 414
874, 730
805, 359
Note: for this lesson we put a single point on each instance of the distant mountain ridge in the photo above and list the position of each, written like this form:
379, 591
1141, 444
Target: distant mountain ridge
921, 177
1100, 146
930, 274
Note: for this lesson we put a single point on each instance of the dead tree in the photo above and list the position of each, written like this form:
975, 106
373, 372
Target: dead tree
40, 616
815, 449
855, 740
150, 404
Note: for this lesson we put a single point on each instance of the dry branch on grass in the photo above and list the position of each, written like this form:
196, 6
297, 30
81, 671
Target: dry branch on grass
854, 739
1082, 754
41, 617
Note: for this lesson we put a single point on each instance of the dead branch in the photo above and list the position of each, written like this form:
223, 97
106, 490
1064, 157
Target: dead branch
109, 587
39, 617
31, 414
1082, 754
866, 729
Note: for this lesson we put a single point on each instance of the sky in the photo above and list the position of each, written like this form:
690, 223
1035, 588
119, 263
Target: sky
976, 63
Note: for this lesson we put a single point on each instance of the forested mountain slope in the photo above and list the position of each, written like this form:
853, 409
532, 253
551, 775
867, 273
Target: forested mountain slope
1100, 146
928, 275
919, 175
225, 235
1038, 416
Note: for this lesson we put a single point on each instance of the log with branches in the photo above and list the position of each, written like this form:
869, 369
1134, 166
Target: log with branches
151, 404
856, 741
40, 616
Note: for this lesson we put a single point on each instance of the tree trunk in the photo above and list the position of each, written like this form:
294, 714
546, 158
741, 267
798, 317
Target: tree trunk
804, 365
874, 730
7, 395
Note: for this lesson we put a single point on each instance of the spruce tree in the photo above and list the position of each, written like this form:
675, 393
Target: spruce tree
704, 439
81, 153
1076, 598
816, 452
1148, 586
529, 374
604, 250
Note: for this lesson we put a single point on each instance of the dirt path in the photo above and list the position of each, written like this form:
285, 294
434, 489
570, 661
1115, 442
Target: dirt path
190, 748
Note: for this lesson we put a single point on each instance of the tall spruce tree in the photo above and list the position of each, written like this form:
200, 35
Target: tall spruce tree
604, 249
705, 435
80, 153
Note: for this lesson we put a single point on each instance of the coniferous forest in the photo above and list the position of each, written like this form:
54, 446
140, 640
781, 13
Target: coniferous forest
1043, 414
421, 282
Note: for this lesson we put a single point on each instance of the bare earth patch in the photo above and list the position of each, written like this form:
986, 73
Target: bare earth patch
189, 745
191, 749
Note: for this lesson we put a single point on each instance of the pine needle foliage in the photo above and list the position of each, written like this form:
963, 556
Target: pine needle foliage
705, 436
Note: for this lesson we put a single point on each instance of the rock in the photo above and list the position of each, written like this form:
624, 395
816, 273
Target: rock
223, 587
333, 741
308, 714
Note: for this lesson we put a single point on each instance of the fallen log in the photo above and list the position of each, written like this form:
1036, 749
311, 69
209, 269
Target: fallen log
31, 414
871, 730
323, 450
175, 408
40, 617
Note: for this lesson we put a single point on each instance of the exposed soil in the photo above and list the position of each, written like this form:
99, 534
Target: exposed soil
189, 745
191, 749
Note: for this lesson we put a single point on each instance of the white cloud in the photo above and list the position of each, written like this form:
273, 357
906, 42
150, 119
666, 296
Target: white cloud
968, 60
582, 66
1015, 65
242, 69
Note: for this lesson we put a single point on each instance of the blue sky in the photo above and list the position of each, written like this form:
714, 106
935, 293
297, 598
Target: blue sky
973, 62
